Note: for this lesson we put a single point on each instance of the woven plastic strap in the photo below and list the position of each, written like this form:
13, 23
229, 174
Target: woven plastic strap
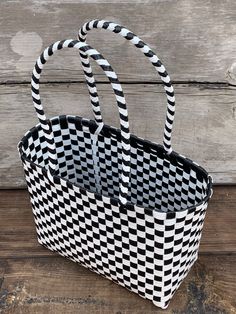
124, 32
46, 126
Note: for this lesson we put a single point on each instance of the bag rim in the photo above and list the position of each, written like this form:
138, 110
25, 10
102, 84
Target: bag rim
91, 123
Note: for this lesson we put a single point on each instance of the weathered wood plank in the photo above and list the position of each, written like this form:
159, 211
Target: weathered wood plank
205, 125
18, 235
17, 231
195, 39
55, 285
34, 280
219, 234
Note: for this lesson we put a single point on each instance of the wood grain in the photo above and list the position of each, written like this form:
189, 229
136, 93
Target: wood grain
204, 130
55, 285
196, 40
18, 235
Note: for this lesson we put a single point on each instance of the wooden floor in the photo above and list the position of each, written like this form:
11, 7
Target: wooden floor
35, 280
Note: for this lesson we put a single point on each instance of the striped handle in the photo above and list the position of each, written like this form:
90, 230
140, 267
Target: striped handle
46, 126
124, 32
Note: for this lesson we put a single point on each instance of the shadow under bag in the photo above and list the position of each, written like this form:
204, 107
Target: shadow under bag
126, 208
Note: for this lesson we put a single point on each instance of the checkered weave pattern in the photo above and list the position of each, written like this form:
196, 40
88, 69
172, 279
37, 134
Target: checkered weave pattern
147, 244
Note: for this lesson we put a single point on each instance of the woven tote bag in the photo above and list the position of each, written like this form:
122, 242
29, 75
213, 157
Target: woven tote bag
124, 207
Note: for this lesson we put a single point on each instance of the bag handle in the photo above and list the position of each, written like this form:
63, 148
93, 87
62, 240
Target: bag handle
123, 113
124, 32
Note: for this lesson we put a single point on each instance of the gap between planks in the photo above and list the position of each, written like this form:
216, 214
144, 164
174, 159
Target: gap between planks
155, 82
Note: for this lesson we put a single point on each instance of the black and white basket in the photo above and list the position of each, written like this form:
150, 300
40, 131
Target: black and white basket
126, 208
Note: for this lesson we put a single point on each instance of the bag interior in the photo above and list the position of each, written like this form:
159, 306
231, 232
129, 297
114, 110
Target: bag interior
157, 181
